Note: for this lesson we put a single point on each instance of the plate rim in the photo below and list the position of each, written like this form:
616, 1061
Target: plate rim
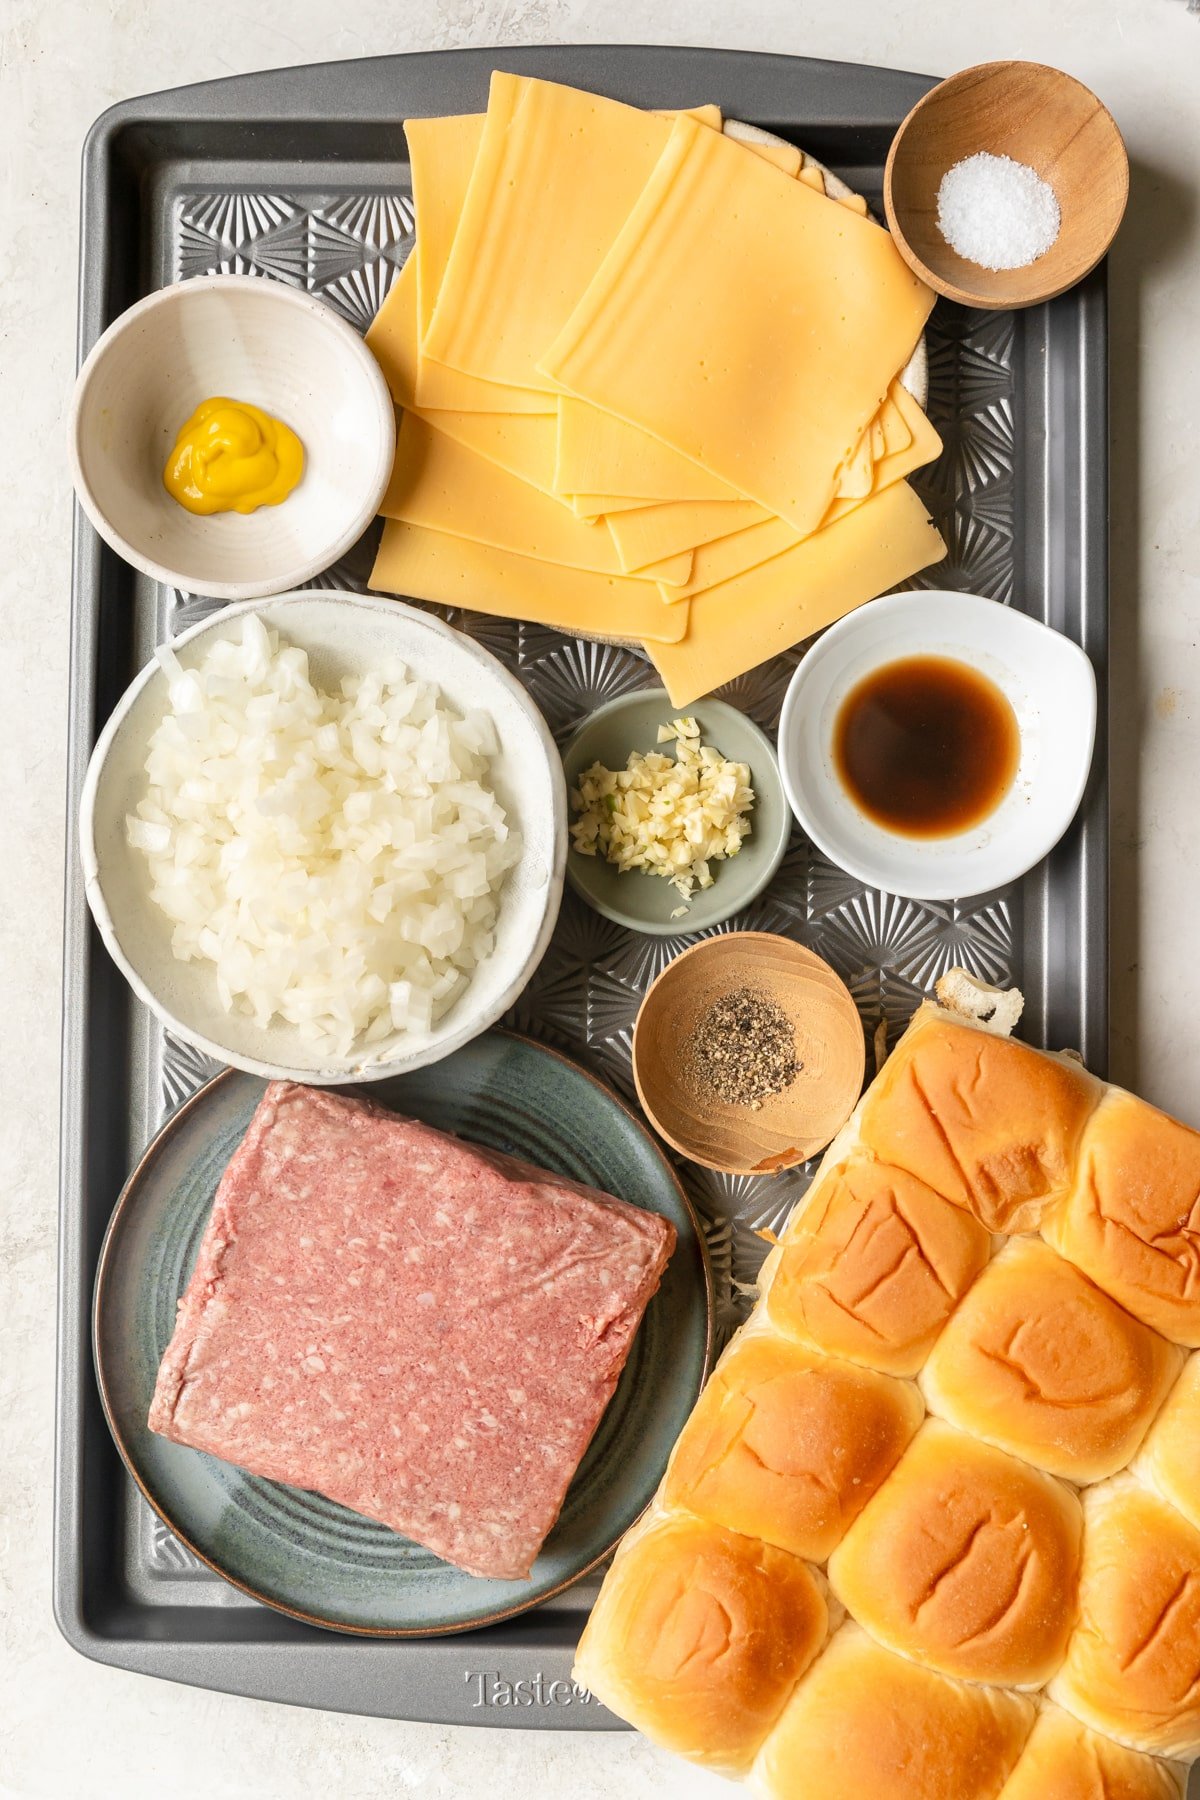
129, 1191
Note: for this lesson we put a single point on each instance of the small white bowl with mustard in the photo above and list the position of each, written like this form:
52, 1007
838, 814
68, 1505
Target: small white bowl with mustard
300, 434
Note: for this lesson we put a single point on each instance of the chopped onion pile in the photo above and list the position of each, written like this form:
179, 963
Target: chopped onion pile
669, 816
336, 857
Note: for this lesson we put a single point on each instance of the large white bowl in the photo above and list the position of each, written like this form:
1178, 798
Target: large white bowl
246, 338
1052, 689
344, 634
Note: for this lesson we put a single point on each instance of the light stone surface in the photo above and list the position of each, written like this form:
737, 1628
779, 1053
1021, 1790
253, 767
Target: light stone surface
72, 1730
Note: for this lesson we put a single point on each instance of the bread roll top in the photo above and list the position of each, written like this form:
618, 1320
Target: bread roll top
872, 1268
1039, 1361
1133, 1661
982, 1120
699, 1636
965, 1560
1170, 1457
788, 1445
1063, 1760
1132, 1218
867, 1725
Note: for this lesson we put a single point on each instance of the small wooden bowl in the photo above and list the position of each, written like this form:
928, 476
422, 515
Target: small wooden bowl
1039, 117
789, 1127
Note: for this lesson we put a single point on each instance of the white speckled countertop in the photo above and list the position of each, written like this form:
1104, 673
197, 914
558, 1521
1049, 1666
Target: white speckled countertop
71, 1730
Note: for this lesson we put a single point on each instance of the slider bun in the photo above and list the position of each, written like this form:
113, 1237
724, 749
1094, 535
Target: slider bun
872, 1266
788, 1445
1170, 1457
699, 1637
1065, 1761
867, 1725
1039, 1361
1133, 1662
984, 1121
1132, 1219
966, 1559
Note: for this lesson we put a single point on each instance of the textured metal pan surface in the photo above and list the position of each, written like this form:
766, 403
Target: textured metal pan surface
300, 176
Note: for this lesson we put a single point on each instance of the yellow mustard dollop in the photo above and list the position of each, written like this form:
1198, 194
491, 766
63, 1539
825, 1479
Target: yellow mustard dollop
233, 457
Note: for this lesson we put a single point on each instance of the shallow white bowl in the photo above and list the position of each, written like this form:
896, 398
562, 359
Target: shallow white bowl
247, 338
1052, 689
344, 634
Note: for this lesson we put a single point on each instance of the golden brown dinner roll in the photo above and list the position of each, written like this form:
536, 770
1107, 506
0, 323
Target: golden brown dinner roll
984, 1121
1063, 1760
789, 1445
1132, 1218
1039, 1361
966, 1559
873, 1265
1133, 1662
699, 1637
1170, 1457
867, 1725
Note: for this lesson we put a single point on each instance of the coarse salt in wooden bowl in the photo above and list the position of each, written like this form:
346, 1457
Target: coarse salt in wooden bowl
671, 1048
1037, 116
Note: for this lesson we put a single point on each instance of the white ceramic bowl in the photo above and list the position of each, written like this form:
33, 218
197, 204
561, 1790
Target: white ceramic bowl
1052, 689
247, 338
343, 634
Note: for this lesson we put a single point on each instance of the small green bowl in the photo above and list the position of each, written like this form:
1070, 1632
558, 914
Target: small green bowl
645, 902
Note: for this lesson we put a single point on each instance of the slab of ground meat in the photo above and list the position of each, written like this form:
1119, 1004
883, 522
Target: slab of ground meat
418, 1328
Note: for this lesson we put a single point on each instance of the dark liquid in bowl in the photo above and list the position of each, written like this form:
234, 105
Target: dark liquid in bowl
926, 746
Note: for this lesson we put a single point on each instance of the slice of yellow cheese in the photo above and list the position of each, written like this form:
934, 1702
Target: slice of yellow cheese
556, 175
442, 155
601, 454
689, 329
598, 454
721, 533
725, 558
440, 484
655, 531
431, 565
522, 444
392, 336
893, 424
745, 621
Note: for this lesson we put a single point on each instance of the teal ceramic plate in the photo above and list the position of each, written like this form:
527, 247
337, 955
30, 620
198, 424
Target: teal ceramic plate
303, 1554
646, 902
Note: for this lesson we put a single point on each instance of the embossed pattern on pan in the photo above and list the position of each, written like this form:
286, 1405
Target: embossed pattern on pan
1018, 496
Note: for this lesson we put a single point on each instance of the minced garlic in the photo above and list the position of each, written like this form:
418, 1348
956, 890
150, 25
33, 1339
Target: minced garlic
668, 816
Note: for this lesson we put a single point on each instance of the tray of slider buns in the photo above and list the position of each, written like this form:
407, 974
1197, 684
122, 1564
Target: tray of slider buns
590, 1194
934, 1527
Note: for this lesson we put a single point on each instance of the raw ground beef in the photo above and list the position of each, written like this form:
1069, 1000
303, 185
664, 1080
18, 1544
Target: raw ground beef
418, 1328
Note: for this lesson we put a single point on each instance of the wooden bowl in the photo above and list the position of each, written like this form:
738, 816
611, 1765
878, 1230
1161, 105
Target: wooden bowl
789, 1127
1039, 117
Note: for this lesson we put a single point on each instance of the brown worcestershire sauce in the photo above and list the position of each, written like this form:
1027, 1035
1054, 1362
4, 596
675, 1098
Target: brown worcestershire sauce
926, 746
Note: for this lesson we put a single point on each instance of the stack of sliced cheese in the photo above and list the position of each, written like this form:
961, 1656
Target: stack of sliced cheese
650, 384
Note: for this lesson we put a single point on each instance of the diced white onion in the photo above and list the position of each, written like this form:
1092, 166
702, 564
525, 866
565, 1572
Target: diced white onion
336, 858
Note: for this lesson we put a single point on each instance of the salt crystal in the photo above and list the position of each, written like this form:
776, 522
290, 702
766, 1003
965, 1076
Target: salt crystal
997, 212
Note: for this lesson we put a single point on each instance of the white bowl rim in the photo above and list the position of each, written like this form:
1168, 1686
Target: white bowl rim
385, 420
327, 1075
678, 928
1034, 847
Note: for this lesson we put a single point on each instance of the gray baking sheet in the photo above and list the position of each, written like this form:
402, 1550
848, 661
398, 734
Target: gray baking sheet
301, 176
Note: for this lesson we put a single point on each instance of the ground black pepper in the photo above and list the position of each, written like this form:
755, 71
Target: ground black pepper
742, 1050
